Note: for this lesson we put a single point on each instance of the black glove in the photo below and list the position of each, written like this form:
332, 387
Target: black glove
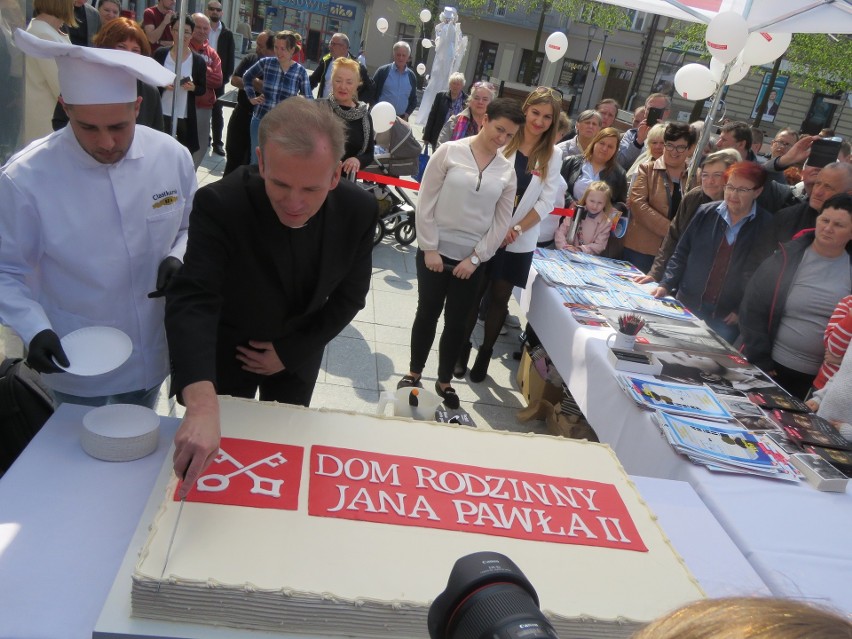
44, 347
167, 270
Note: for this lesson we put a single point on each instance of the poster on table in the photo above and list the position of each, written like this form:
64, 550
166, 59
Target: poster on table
776, 93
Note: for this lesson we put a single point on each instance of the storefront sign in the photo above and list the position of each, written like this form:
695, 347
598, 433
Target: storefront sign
339, 10
314, 6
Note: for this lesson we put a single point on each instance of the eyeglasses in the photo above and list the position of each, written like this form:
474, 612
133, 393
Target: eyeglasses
741, 190
484, 85
214, 8
556, 93
677, 148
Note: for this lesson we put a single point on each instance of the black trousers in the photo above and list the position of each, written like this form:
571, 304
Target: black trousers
217, 120
437, 292
238, 145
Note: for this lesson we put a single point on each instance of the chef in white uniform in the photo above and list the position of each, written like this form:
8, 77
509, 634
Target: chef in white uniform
93, 218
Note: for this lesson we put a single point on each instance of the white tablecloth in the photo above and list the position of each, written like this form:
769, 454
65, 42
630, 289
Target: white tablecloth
66, 520
795, 537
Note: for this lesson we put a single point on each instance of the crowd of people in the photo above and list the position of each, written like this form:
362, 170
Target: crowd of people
765, 262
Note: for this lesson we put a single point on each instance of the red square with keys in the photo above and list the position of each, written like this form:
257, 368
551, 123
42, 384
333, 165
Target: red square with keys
251, 473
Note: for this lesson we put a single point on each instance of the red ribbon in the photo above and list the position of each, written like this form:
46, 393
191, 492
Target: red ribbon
386, 179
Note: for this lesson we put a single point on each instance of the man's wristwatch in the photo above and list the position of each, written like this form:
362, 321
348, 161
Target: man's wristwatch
517, 229
474, 259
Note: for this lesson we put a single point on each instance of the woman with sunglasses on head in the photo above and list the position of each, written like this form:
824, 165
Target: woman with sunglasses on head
656, 194
469, 121
463, 213
589, 122
721, 248
536, 161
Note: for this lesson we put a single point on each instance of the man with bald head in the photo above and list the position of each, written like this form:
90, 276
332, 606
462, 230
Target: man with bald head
199, 42
832, 179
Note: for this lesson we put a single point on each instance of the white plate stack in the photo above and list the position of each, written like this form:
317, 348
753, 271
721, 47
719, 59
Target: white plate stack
120, 432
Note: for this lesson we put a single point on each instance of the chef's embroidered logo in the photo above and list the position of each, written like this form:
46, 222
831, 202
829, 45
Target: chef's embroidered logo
251, 473
164, 199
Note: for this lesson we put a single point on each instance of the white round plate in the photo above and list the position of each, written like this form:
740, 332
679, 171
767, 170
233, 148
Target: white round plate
95, 350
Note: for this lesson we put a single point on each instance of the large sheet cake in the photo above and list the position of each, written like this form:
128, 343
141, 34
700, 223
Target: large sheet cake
333, 523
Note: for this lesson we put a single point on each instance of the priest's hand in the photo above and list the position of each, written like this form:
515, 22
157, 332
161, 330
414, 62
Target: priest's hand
44, 348
260, 358
197, 438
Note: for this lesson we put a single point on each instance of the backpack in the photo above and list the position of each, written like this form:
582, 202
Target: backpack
25, 405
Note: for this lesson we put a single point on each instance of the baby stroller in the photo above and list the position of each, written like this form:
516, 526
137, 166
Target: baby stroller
398, 157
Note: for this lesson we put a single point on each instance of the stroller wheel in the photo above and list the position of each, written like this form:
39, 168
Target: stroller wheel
405, 232
378, 233
390, 222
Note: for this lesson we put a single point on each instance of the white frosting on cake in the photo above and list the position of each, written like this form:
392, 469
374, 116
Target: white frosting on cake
284, 570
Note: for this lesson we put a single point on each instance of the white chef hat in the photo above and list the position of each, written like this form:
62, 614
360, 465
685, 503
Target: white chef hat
95, 76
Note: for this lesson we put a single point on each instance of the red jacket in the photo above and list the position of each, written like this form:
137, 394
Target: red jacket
214, 74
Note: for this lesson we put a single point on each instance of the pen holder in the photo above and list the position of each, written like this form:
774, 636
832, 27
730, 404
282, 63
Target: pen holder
621, 340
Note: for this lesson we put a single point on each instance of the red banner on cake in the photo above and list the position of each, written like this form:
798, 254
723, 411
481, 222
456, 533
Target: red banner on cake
252, 473
391, 489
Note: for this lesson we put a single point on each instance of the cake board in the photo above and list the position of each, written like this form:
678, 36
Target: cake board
115, 621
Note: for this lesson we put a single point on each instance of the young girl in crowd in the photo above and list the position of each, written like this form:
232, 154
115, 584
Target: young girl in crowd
593, 232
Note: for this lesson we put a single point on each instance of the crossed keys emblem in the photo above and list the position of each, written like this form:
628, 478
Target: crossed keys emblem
216, 482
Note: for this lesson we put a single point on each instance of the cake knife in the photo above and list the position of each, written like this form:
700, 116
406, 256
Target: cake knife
171, 541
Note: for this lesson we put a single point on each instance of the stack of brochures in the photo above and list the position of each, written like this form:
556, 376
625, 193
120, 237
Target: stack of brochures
725, 448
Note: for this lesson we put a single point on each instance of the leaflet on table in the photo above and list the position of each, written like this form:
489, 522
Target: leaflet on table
683, 399
603, 262
560, 274
674, 334
840, 459
667, 307
808, 428
740, 406
725, 373
719, 445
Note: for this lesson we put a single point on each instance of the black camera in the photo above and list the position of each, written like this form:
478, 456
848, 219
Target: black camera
488, 597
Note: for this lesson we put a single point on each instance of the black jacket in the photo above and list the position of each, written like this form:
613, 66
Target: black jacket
199, 78
793, 219
232, 286
615, 177
365, 91
438, 116
226, 50
765, 298
689, 267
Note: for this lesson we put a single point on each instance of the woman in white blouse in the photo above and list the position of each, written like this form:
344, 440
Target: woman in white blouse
463, 213
536, 162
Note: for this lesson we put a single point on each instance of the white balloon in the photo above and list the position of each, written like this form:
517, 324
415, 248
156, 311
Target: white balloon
556, 46
427, 43
738, 71
421, 68
726, 35
694, 82
382, 25
384, 116
762, 47
425, 15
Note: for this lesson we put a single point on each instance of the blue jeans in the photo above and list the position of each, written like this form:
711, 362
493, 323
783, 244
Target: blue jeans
254, 127
727, 332
146, 398
641, 261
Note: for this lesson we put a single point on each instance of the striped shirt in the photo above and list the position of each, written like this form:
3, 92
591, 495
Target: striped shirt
838, 334
278, 85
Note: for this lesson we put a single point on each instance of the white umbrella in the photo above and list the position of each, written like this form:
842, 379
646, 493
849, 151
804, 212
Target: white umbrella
788, 16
